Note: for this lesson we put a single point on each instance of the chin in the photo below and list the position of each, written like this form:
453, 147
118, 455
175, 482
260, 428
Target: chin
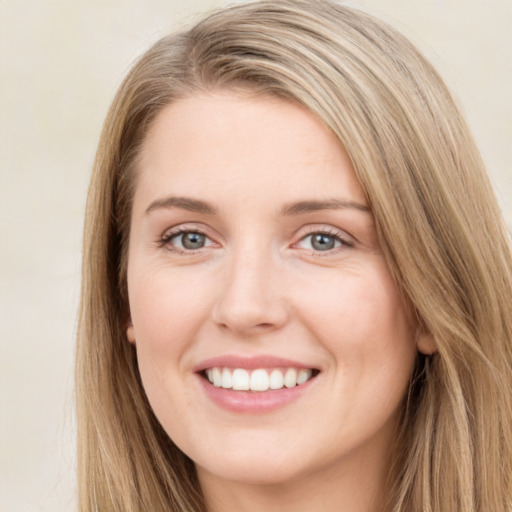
265, 470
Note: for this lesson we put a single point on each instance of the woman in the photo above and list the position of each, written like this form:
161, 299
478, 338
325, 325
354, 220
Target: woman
296, 284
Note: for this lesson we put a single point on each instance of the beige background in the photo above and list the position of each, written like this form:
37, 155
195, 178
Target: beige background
60, 64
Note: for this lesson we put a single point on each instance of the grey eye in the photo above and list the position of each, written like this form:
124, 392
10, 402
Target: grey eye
323, 242
191, 240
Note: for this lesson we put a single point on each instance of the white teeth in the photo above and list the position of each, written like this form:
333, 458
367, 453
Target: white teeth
241, 380
303, 376
216, 377
261, 379
227, 381
276, 379
290, 378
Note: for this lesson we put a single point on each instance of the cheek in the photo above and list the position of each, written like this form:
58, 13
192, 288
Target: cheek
166, 306
360, 319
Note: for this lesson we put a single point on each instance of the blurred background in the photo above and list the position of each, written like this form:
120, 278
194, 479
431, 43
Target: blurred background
60, 64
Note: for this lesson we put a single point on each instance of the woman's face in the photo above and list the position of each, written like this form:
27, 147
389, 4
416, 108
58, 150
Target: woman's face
254, 263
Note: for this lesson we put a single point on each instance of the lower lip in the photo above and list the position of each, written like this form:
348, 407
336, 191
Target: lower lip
253, 402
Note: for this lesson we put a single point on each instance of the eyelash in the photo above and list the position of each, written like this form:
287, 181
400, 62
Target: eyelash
165, 241
336, 235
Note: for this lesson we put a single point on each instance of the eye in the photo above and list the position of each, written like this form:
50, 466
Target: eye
323, 242
186, 240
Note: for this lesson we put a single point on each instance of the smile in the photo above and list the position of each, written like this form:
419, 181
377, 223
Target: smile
259, 379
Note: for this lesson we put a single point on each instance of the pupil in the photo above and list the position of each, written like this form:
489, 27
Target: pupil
322, 242
193, 240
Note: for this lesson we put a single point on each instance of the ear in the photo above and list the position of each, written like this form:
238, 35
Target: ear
130, 332
425, 343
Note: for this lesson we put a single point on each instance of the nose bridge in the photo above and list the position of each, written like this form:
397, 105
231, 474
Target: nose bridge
251, 298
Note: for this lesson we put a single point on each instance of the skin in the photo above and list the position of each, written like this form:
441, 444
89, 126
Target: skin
259, 286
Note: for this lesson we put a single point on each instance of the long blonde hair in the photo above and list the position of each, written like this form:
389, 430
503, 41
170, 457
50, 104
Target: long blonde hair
436, 216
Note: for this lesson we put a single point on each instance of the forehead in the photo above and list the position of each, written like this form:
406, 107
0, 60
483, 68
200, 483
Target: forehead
224, 144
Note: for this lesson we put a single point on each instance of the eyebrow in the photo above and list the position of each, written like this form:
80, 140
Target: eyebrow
184, 203
301, 207
296, 208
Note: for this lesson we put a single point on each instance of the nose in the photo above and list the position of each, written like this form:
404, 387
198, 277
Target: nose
252, 298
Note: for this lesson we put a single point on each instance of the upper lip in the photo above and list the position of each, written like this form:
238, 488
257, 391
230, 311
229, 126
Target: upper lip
249, 362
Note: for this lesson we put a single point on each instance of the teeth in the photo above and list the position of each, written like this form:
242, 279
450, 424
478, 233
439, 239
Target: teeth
276, 379
290, 378
216, 378
303, 376
241, 380
226, 380
261, 379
